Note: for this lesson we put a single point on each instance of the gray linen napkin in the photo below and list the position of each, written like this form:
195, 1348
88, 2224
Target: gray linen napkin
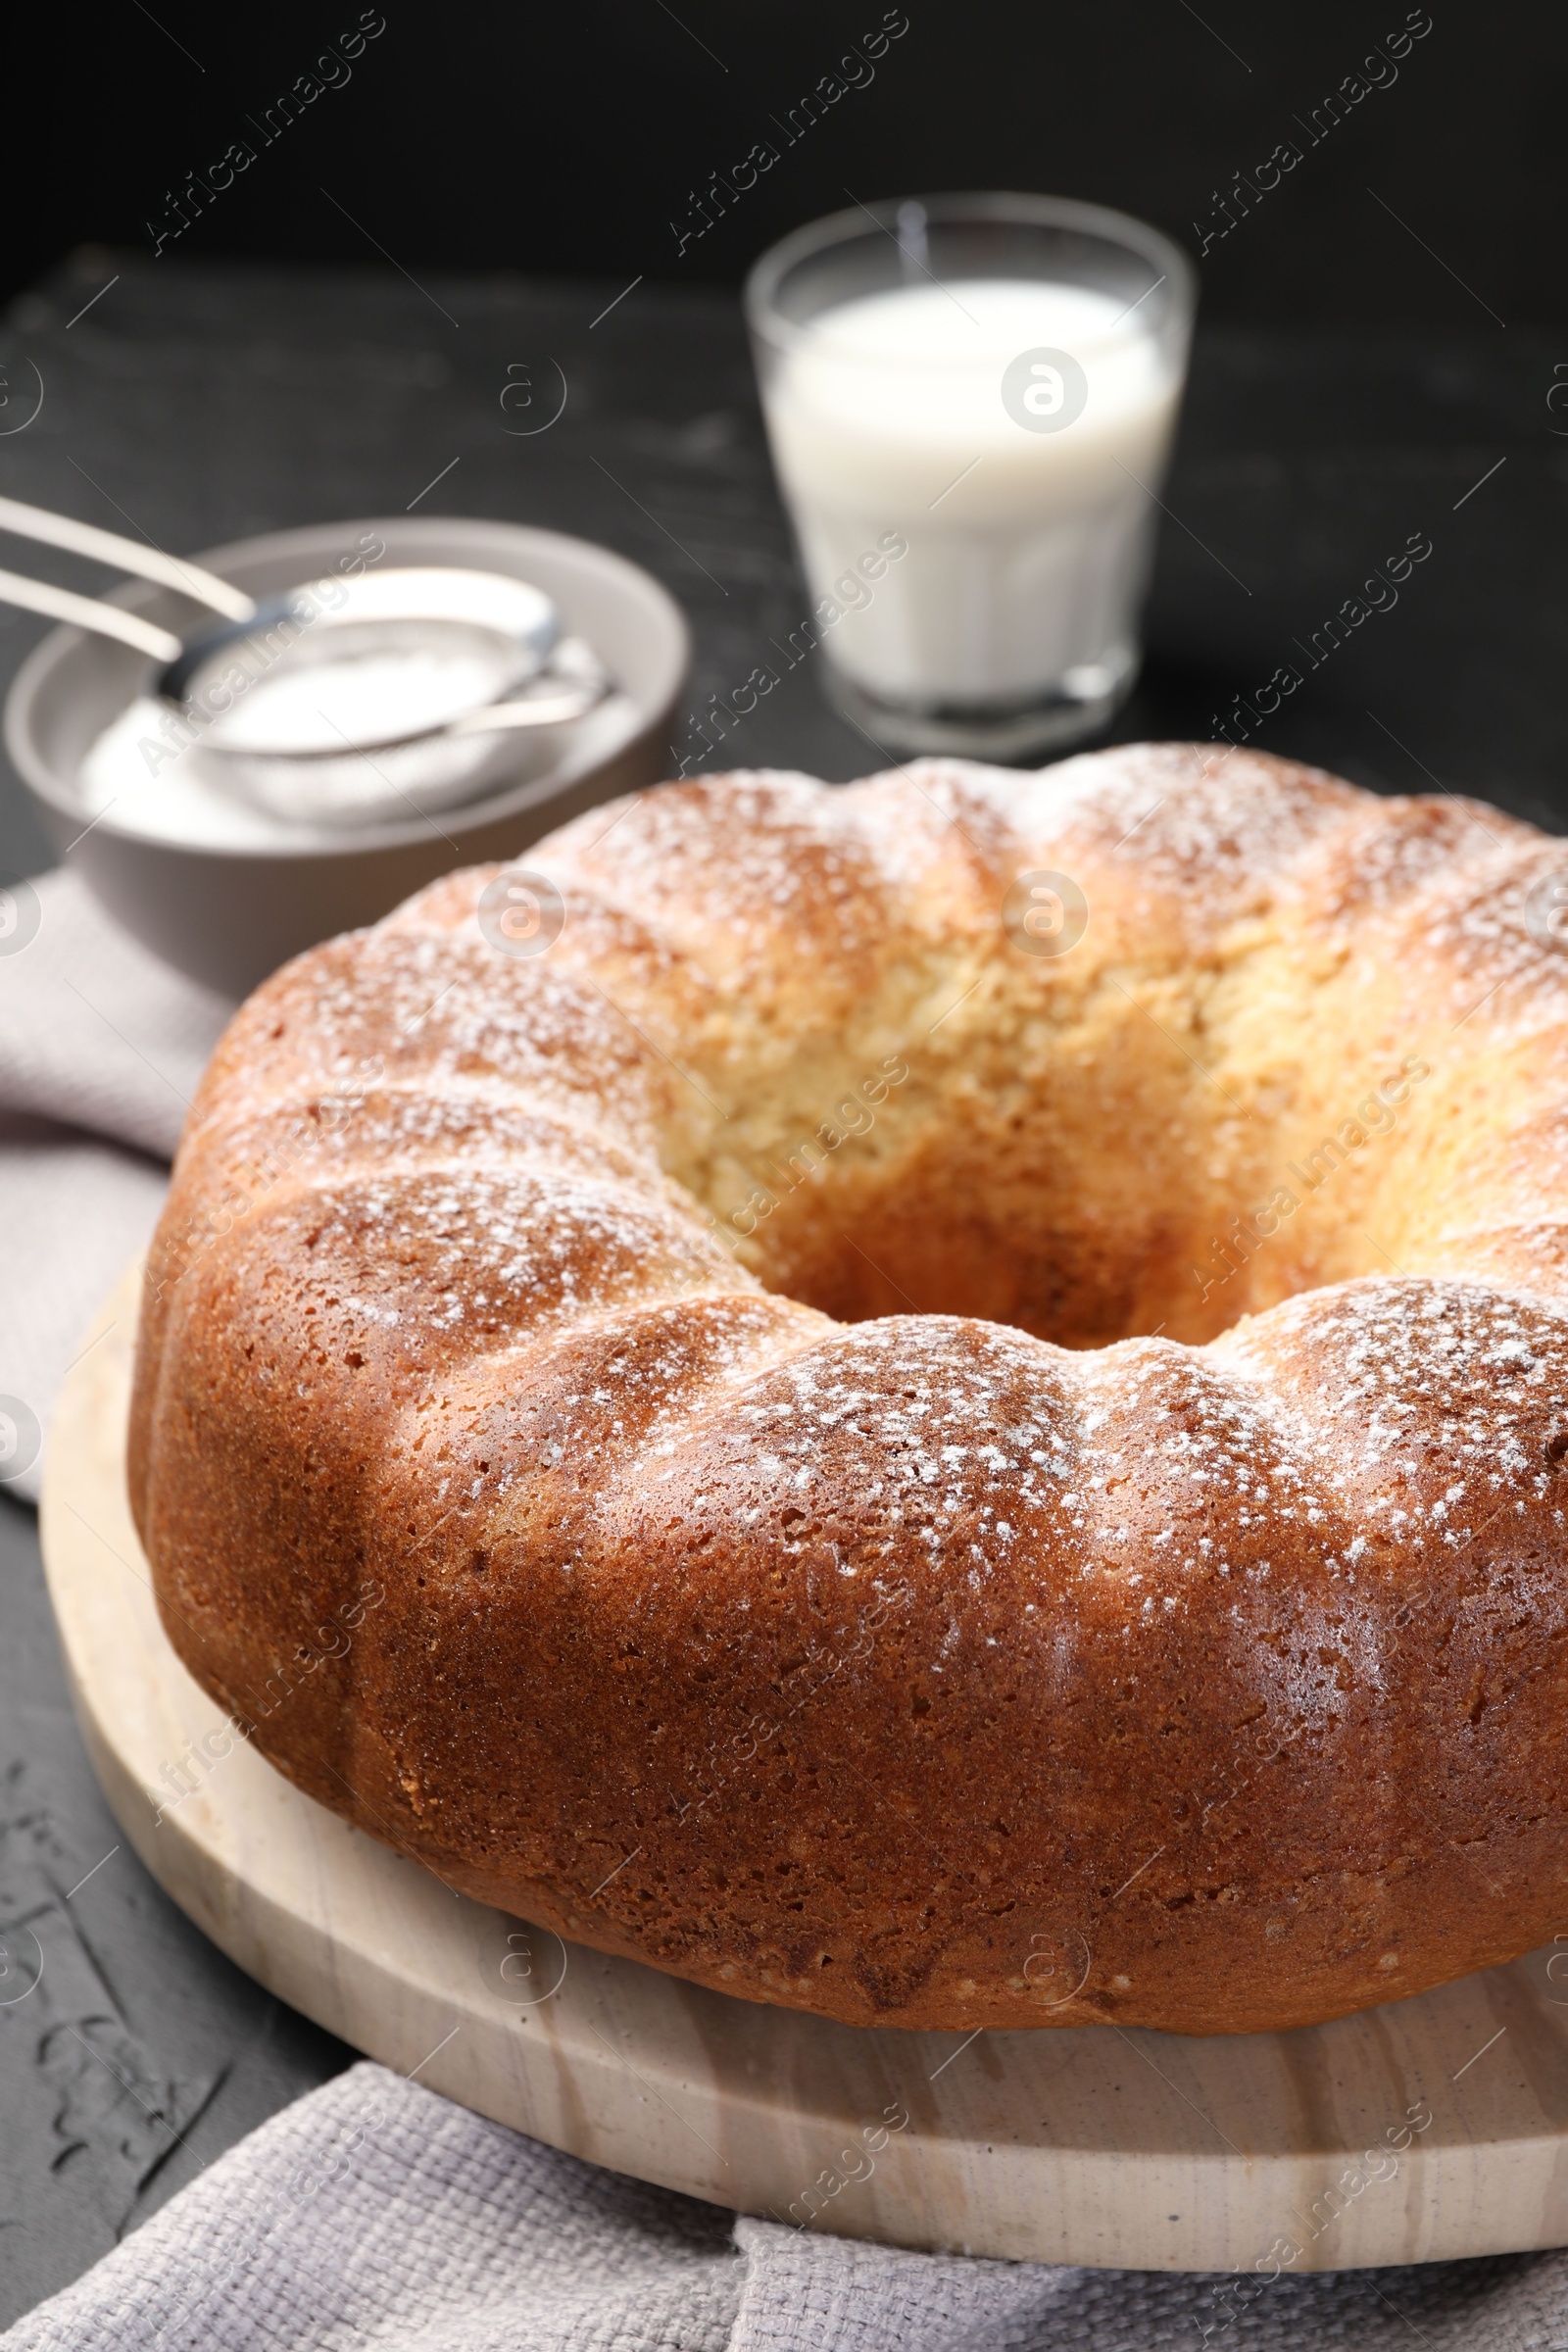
375, 2212
99, 1050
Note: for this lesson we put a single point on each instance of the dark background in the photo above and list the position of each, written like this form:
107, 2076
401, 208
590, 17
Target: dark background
329, 331
564, 140
502, 176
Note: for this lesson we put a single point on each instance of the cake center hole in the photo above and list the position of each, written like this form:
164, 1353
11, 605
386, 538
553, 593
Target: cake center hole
1101, 1203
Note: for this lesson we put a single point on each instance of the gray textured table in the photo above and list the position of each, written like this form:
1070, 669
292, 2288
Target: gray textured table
194, 405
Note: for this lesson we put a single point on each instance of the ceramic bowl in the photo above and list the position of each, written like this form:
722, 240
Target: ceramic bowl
228, 915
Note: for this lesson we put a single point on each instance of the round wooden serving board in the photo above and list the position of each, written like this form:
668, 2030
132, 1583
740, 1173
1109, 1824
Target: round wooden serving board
1079, 2145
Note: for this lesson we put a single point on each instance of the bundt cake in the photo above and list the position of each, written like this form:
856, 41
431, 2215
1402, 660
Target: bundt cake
943, 1400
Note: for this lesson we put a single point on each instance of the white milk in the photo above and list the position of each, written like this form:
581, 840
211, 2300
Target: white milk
1028, 549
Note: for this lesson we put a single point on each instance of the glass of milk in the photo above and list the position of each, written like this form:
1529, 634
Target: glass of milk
971, 401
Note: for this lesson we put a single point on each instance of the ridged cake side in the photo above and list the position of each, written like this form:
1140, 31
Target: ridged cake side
645, 1355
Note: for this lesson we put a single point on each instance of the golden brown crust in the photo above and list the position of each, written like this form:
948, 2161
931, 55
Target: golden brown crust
657, 1430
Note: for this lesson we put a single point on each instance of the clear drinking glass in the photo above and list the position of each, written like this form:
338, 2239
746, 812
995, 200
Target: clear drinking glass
971, 401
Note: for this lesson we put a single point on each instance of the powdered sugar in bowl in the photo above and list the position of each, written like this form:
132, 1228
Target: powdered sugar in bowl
226, 887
